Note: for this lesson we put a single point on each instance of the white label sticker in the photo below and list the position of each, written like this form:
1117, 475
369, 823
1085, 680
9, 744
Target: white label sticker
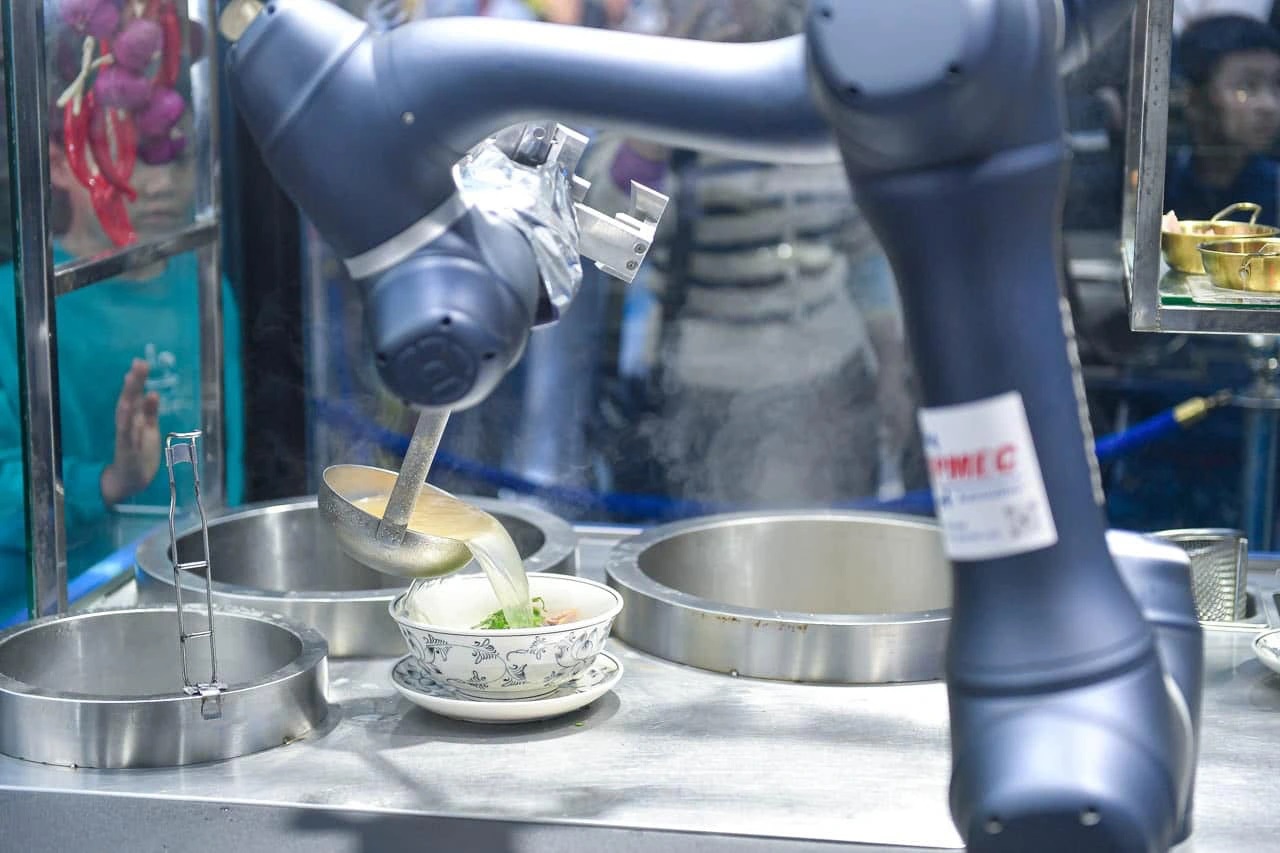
986, 479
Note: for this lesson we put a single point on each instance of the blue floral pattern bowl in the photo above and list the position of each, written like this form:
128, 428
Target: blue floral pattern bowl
576, 693
437, 619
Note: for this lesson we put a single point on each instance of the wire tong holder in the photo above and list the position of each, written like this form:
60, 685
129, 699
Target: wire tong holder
180, 448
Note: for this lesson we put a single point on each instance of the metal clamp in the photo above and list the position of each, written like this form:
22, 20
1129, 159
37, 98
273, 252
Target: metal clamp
180, 447
618, 244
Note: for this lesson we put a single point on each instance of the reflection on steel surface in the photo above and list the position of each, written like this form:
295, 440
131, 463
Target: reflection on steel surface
104, 689
799, 596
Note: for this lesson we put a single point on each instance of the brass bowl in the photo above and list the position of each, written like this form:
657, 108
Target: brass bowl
1252, 264
1181, 247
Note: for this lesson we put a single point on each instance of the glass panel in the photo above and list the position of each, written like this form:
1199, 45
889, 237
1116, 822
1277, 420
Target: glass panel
146, 106
129, 362
115, 486
1203, 134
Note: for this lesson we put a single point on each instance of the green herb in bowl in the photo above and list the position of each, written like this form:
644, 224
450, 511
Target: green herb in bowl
497, 620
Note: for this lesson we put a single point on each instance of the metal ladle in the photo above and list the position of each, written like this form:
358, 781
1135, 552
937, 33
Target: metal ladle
387, 544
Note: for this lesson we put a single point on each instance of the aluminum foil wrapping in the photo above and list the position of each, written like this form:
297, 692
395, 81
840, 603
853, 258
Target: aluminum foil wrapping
538, 201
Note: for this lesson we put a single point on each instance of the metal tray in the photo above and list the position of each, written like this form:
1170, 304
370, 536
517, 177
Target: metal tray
675, 760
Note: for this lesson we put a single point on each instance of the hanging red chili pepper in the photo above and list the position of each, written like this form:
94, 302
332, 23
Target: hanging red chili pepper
126, 136
108, 203
112, 214
75, 131
171, 50
100, 139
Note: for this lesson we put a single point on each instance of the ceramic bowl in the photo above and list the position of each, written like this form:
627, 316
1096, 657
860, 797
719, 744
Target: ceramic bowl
512, 663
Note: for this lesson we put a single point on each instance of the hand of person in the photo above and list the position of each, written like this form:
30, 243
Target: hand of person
137, 446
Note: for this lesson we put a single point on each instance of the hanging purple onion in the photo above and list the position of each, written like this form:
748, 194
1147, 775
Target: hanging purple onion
159, 150
76, 13
98, 18
104, 21
137, 45
160, 114
116, 87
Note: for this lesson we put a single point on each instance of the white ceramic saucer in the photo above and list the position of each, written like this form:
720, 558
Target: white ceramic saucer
416, 686
1266, 647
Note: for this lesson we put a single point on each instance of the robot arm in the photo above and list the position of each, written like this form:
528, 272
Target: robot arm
392, 165
1066, 733
352, 126
387, 190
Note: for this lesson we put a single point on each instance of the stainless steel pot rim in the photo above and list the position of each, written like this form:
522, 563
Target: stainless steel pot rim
314, 649
623, 570
153, 552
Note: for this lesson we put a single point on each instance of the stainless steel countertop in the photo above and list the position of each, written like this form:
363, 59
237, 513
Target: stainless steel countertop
679, 749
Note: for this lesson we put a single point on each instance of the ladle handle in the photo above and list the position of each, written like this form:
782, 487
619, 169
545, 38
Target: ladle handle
413, 473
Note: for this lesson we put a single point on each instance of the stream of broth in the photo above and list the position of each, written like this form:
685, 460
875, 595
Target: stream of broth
490, 544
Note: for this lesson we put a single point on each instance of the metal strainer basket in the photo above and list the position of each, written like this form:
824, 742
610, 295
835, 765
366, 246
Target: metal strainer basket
1219, 559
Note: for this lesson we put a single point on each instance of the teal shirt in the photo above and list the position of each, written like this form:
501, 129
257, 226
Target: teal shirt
100, 330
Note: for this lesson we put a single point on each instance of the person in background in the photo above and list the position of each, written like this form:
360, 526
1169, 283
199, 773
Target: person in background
1231, 66
128, 370
781, 376
1187, 12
